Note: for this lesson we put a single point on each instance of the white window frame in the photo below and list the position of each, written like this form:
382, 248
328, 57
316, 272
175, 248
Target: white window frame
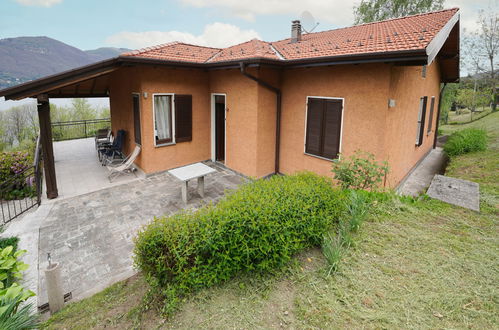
421, 120
341, 126
154, 119
430, 115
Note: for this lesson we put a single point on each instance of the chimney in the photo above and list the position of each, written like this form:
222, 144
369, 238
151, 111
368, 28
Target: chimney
295, 31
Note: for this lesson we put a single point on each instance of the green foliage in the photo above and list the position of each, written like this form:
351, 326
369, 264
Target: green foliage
332, 248
465, 141
360, 171
378, 10
258, 227
13, 318
9, 241
10, 267
12, 164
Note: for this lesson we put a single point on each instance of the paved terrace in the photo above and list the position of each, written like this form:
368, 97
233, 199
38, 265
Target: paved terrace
89, 229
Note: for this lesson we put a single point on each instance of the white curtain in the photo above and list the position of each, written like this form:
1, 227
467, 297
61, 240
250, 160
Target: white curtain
162, 108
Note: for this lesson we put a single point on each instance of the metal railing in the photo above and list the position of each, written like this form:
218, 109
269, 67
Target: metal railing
23, 190
78, 129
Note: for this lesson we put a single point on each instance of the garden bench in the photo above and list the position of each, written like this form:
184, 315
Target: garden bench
189, 172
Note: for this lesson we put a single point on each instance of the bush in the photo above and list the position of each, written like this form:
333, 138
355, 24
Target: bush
12, 164
9, 241
258, 227
360, 171
465, 141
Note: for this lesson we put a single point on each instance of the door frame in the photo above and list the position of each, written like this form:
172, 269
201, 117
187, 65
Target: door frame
213, 126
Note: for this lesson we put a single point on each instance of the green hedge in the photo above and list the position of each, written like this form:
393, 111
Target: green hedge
465, 141
258, 227
9, 241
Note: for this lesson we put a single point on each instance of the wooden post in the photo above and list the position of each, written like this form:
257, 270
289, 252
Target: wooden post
47, 148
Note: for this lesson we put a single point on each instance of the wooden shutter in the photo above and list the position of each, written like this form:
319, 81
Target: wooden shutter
331, 128
421, 120
136, 118
183, 118
430, 118
315, 112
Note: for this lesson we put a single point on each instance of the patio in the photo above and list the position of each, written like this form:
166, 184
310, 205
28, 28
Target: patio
89, 228
78, 170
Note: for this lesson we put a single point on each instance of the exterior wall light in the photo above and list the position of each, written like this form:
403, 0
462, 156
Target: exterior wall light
145, 95
391, 103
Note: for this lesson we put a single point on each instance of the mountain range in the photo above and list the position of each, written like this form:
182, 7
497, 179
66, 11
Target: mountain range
26, 58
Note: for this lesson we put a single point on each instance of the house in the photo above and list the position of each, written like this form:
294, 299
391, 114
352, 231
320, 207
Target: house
274, 107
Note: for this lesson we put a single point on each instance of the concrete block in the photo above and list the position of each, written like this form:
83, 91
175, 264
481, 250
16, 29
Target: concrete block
456, 192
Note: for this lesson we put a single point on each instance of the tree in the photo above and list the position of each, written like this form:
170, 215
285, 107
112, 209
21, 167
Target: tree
481, 50
465, 98
82, 110
378, 10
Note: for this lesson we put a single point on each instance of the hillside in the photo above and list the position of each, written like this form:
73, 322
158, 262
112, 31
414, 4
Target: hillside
26, 58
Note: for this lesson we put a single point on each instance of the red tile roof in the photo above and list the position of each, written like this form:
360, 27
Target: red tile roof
406, 33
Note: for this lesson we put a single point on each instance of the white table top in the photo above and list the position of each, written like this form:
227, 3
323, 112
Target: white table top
190, 172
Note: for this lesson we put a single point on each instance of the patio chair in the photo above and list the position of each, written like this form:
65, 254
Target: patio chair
125, 167
103, 137
108, 153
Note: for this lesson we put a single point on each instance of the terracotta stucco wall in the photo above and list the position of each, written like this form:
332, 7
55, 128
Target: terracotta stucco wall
241, 119
266, 122
407, 86
153, 80
124, 82
364, 89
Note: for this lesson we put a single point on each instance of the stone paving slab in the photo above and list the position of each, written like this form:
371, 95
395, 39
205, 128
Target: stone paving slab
91, 235
455, 191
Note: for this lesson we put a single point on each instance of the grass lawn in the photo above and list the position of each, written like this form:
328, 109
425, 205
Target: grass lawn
466, 115
416, 264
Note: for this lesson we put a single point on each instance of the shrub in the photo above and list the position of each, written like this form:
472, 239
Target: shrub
360, 171
9, 241
465, 141
258, 227
12, 164
11, 267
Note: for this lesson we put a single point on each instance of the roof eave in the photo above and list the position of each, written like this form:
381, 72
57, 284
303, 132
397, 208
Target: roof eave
38, 86
438, 41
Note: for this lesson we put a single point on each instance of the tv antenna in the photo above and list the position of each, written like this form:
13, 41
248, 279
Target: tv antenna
308, 22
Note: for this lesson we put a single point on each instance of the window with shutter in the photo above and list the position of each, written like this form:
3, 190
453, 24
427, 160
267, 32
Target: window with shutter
430, 118
136, 118
183, 118
421, 120
323, 128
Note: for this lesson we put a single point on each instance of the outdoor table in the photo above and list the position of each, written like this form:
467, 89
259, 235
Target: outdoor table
189, 172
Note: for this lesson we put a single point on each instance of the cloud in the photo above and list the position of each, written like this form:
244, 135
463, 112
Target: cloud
39, 3
339, 13
214, 35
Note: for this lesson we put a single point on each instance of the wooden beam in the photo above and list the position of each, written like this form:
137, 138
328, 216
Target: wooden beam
93, 85
47, 147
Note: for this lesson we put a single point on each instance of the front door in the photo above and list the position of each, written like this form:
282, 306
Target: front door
219, 128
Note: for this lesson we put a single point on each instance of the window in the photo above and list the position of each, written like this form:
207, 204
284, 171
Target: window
421, 120
323, 129
163, 119
169, 109
430, 118
136, 118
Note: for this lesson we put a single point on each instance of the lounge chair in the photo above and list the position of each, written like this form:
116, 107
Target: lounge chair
103, 137
125, 167
108, 153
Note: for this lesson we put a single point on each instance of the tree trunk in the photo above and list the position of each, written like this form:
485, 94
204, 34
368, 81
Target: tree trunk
494, 91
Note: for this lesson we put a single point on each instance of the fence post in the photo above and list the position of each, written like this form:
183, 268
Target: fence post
85, 122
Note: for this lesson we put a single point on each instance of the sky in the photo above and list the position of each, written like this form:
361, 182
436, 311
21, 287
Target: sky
90, 24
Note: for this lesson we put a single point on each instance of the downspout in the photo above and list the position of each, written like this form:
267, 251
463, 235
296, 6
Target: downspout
438, 115
277, 91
